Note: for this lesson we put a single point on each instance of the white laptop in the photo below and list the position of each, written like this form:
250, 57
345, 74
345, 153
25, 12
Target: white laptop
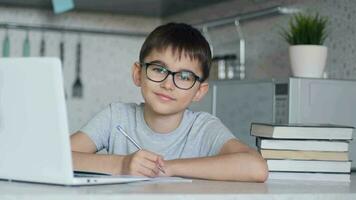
34, 135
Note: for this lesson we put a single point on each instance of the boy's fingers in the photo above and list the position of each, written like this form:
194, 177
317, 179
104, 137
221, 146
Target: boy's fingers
138, 174
148, 163
151, 164
160, 161
148, 172
144, 168
151, 156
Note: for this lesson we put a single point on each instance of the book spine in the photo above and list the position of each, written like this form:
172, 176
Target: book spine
303, 145
304, 155
309, 166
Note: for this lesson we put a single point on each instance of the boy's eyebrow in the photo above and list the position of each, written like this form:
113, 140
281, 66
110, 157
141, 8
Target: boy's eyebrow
165, 65
158, 62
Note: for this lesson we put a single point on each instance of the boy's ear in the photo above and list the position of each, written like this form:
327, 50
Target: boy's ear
203, 89
136, 74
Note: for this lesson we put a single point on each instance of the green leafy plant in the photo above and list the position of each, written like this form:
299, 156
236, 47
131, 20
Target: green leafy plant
306, 29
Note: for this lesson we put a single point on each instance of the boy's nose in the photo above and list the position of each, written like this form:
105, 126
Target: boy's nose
168, 83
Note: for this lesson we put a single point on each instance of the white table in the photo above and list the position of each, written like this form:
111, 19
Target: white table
198, 189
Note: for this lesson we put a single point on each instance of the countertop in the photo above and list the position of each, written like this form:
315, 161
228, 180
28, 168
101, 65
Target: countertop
197, 189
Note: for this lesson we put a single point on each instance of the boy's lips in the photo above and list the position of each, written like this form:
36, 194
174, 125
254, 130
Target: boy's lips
164, 97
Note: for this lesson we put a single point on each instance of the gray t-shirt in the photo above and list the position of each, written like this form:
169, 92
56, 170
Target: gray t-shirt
198, 135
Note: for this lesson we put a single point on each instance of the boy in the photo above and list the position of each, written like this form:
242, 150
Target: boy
172, 72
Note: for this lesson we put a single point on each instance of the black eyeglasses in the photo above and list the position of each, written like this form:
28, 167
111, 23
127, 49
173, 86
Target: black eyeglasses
182, 79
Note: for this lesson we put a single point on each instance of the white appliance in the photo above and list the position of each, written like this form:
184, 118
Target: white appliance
295, 100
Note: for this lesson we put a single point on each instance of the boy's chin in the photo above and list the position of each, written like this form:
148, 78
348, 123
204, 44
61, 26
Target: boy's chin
160, 109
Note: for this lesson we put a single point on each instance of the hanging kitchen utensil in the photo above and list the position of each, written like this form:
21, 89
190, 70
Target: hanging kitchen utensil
61, 56
242, 74
6, 45
61, 50
26, 46
77, 90
42, 46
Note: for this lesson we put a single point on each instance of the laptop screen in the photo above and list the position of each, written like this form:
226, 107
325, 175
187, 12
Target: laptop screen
34, 132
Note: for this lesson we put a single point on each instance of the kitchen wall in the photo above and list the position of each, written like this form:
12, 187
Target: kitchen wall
106, 60
266, 52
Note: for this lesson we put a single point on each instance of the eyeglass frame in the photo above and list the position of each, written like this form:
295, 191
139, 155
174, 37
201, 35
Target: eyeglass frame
169, 72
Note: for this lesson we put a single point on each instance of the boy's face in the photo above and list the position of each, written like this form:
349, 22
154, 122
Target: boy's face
165, 98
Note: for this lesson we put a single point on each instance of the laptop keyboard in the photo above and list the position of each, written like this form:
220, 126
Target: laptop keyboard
89, 174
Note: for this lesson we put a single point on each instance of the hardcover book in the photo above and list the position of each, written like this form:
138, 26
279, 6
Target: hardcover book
309, 166
302, 131
336, 177
304, 155
304, 145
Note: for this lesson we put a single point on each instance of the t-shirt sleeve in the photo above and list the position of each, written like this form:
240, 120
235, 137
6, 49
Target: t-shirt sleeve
216, 134
99, 127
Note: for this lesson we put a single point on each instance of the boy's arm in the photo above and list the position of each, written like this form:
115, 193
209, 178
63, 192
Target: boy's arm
141, 163
85, 157
236, 161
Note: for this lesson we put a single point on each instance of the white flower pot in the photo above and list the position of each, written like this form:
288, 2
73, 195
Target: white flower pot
308, 60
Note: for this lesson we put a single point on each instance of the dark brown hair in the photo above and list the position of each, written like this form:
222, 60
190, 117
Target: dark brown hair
182, 38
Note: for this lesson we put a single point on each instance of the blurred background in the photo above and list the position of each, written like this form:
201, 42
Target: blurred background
103, 39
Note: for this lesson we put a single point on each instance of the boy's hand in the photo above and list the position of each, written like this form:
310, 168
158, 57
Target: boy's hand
142, 163
166, 166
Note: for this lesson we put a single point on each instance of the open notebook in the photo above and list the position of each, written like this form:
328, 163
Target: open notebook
34, 135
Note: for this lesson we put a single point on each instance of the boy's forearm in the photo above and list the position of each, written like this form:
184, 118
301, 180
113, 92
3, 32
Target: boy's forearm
247, 166
111, 164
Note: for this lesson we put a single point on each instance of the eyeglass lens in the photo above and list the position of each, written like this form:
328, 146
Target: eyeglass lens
182, 79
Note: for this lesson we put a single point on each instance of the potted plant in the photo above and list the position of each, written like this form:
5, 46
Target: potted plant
306, 36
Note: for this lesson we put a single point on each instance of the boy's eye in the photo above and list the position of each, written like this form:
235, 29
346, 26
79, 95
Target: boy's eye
159, 69
185, 76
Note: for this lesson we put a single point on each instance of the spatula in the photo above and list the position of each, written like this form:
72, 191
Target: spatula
61, 56
77, 90
6, 45
26, 46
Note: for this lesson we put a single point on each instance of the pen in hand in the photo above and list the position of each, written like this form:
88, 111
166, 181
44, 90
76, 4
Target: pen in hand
135, 143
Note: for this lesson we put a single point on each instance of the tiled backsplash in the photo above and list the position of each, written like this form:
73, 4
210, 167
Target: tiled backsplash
106, 60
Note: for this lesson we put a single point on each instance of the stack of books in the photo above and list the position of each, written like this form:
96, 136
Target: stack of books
305, 152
